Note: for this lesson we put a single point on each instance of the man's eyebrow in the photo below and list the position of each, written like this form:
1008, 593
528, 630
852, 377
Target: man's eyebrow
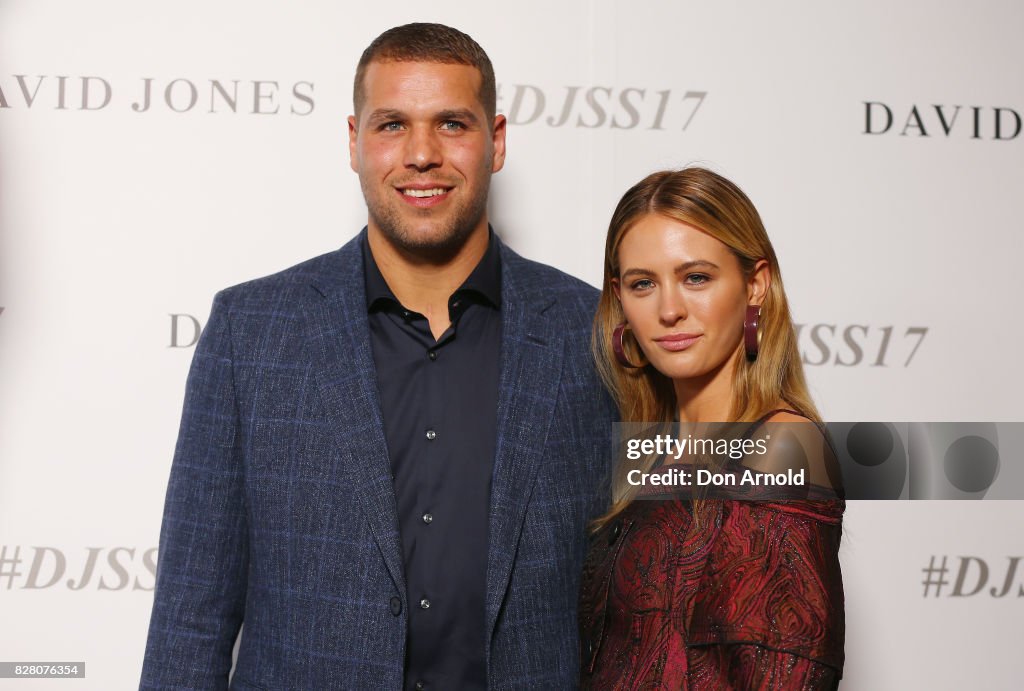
385, 114
388, 114
459, 114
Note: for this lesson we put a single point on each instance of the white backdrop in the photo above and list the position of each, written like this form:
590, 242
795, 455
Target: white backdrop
115, 218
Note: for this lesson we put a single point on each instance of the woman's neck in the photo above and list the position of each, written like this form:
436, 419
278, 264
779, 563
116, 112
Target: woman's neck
707, 398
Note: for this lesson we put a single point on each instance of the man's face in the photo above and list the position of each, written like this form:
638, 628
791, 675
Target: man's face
425, 151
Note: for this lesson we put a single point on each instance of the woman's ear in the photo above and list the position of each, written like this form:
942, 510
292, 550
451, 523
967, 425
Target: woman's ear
616, 288
759, 282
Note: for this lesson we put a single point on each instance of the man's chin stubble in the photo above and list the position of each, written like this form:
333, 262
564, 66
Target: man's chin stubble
435, 247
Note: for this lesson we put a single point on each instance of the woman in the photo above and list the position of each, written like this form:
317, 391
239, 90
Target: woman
693, 325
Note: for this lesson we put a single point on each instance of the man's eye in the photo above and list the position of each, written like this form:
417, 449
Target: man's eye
452, 125
391, 126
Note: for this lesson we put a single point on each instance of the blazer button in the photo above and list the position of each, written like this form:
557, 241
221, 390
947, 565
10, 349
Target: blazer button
396, 605
614, 533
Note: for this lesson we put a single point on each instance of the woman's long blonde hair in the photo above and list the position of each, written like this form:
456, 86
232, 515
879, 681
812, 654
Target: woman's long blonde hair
707, 201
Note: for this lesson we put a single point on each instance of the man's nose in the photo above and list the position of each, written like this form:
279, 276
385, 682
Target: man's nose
422, 150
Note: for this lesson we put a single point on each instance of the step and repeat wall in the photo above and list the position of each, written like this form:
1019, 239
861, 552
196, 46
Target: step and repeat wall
154, 153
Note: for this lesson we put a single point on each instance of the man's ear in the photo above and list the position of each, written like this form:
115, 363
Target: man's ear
353, 134
499, 143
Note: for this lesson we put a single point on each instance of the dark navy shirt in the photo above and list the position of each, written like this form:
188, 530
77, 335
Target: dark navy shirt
439, 400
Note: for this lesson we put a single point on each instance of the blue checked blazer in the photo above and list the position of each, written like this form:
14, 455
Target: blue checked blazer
280, 510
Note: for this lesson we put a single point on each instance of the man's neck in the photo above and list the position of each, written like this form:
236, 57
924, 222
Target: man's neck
423, 283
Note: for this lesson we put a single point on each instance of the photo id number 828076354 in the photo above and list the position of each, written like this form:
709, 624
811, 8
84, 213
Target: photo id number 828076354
42, 670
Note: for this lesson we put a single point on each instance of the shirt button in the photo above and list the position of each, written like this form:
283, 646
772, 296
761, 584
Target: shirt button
420, 686
424, 603
427, 518
433, 356
431, 435
396, 605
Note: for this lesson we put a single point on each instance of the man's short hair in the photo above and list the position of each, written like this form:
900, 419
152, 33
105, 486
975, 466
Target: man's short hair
422, 42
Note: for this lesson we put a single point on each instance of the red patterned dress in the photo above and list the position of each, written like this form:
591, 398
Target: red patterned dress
751, 599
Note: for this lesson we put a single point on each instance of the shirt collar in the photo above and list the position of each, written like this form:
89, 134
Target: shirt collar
483, 281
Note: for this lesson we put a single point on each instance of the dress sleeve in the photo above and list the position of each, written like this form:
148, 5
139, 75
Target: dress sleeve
768, 612
744, 667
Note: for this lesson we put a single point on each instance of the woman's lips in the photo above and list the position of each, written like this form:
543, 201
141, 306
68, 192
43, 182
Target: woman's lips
677, 342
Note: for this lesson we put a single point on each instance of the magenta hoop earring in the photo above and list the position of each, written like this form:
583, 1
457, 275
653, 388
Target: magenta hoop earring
752, 332
619, 350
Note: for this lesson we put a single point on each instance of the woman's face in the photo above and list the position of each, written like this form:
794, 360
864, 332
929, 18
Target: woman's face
684, 296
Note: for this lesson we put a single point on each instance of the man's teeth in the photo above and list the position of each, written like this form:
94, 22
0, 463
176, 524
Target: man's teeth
423, 193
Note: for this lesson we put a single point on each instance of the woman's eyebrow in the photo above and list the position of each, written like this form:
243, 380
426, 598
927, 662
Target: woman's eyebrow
685, 266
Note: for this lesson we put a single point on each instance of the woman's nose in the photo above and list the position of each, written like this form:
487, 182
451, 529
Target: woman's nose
671, 307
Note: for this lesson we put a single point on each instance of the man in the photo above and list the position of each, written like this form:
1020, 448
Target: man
389, 454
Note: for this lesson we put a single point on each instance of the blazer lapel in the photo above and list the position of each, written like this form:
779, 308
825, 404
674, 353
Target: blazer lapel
531, 364
346, 376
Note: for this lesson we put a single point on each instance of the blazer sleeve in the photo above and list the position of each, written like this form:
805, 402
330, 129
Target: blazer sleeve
203, 551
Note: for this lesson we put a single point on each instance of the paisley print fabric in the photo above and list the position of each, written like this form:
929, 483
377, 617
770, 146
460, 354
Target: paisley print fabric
749, 596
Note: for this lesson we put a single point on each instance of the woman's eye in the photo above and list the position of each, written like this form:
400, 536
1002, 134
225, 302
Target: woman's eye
697, 279
642, 284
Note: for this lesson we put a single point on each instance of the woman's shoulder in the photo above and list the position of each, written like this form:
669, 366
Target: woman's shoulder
787, 415
783, 411
794, 444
